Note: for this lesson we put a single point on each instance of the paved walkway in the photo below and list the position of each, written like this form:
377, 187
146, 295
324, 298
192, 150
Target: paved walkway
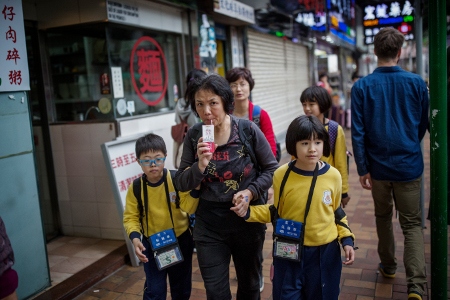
361, 281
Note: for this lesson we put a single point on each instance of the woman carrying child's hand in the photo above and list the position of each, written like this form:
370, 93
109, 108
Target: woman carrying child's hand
349, 255
138, 249
241, 200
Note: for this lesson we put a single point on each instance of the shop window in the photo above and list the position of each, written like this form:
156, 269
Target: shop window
77, 63
154, 82
84, 87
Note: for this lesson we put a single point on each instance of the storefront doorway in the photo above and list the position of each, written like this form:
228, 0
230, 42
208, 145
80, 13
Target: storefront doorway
48, 197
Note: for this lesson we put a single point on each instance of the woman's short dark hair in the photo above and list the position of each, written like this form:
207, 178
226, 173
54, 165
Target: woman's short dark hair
304, 128
317, 94
213, 83
237, 73
150, 142
387, 42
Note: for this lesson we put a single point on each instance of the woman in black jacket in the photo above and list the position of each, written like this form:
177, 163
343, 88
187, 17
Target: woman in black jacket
229, 180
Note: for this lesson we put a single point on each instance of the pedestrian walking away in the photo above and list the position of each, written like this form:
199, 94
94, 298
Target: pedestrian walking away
389, 120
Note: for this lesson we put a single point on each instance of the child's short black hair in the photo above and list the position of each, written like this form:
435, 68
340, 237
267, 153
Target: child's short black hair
317, 94
150, 142
304, 128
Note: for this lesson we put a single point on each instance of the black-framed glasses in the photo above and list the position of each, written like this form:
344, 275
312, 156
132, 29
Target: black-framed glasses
148, 162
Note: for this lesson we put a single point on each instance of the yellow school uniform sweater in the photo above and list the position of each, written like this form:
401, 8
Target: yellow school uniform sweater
320, 228
158, 217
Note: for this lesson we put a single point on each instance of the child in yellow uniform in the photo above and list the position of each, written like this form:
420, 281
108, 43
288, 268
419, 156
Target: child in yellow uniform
313, 270
316, 101
158, 225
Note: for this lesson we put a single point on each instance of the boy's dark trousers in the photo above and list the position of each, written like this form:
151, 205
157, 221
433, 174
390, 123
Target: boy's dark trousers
180, 275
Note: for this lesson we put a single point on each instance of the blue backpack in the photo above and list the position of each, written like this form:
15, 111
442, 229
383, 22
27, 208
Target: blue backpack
256, 116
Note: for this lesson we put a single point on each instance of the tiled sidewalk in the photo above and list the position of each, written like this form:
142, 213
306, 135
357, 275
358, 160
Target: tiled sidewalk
360, 281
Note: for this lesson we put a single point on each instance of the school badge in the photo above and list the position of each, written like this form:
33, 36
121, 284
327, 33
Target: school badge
326, 199
173, 197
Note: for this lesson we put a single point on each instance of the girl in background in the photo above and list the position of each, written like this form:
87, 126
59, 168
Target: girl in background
316, 101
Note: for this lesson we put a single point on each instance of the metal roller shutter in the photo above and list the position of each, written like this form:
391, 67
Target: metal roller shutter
281, 72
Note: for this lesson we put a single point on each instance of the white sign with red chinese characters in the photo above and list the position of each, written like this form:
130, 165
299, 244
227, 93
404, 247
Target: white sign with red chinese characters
120, 160
122, 167
148, 69
14, 75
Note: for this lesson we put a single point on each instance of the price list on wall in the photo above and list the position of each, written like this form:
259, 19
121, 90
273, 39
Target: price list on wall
117, 82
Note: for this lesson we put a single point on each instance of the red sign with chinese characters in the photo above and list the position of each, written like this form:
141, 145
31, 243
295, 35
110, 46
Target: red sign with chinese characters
13, 52
148, 69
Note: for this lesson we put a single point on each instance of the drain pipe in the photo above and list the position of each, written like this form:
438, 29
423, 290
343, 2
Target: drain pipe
438, 147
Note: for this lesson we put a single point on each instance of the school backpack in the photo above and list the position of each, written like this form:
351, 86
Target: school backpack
256, 116
333, 133
137, 193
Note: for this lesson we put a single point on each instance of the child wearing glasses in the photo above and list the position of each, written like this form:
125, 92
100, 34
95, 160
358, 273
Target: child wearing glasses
158, 224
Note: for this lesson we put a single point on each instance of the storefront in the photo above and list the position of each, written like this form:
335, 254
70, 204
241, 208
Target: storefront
99, 72
222, 27
281, 71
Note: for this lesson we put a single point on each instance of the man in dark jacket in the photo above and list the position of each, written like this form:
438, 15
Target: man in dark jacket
389, 119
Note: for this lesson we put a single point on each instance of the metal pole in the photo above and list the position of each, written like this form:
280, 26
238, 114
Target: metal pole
438, 147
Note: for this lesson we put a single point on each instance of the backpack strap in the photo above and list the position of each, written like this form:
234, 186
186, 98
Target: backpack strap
256, 115
339, 214
137, 183
333, 132
256, 118
246, 137
177, 197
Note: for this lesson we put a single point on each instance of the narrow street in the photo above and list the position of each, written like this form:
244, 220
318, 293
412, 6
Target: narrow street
361, 281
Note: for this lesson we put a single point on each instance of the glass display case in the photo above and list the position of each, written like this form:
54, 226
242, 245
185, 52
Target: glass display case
81, 79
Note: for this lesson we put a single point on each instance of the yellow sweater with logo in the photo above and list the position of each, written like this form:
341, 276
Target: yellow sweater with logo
320, 228
158, 217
